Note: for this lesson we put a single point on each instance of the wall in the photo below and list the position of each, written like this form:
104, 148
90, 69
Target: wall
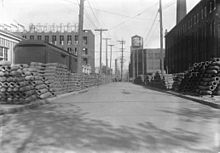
195, 38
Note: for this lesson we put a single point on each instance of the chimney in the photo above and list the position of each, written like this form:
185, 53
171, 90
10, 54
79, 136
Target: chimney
180, 10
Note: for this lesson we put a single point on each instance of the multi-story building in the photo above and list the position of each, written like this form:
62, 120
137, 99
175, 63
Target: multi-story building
7, 43
68, 41
195, 38
143, 61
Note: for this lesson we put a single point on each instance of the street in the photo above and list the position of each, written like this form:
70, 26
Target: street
114, 118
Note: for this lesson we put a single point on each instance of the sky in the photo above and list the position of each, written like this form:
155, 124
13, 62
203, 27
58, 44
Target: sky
122, 18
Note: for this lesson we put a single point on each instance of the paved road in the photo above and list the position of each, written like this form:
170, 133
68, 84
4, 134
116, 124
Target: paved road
115, 118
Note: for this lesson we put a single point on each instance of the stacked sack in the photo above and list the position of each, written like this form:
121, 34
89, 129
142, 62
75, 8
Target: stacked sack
58, 77
35, 75
167, 81
177, 78
162, 81
14, 88
74, 83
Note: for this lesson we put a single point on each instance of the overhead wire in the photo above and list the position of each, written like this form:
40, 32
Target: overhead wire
138, 14
152, 25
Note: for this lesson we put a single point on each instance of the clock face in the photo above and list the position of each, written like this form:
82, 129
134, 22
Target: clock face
136, 42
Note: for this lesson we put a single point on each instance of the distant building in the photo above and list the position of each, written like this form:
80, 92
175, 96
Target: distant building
68, 41
195, 38
142, 61
7, 43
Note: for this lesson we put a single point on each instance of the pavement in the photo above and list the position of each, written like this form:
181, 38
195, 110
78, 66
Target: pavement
12, 108
113, 118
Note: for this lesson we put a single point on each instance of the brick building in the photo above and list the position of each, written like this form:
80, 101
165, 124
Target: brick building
195, 38
68, 41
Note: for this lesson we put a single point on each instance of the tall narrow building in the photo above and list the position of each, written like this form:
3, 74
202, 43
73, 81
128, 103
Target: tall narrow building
180, 10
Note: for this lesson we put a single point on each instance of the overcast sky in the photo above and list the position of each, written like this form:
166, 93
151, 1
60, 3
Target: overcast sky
122, 18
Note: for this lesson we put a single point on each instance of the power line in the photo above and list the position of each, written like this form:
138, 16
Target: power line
93, 12
152, 25
138, 14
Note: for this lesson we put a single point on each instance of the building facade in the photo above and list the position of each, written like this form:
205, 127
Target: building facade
143, 61
195, 38
68, 41
7, 44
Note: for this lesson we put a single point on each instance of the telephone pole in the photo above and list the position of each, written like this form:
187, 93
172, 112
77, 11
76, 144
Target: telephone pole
100, 30
122, 42
106, 56
80, 37
161, 38
111, 59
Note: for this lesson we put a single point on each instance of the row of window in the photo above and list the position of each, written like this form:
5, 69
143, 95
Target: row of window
200, 15
70, 50
61, 39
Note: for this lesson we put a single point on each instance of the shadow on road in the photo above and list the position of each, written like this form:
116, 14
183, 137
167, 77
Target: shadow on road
69, 128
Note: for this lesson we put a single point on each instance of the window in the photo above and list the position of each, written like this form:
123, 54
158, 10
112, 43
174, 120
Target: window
202, 14
69, 50
69, 39
24, 36
32, 37
39, 38
54, 40
205, 12
214, 4
47, 38
61, 40
3, 54
76, 39
85, 51
85, 40
75, 51
85, 61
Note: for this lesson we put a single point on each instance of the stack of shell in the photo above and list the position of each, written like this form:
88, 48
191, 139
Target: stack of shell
210, 79
34, 74
14, 88
192, 77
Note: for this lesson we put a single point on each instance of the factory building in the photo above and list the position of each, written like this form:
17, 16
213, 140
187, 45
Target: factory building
195, 38
67, 40
7, 44
142, 61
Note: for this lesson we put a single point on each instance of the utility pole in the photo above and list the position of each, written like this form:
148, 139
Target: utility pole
80, 37
111, 59
122, 42
116, 68
161, 38
100, 30
106, 40
133, 63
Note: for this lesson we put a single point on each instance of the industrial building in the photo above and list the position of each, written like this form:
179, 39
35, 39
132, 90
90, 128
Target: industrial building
143, 61
195, 38
67, 40
7, 43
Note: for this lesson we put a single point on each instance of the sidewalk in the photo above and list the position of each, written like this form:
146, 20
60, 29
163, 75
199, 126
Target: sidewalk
10, 108
206, 100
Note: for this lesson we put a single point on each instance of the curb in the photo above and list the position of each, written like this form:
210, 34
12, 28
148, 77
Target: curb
34, 104
210, 103
196, 99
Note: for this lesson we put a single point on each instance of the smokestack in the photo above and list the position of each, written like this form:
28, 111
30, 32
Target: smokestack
180, 10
